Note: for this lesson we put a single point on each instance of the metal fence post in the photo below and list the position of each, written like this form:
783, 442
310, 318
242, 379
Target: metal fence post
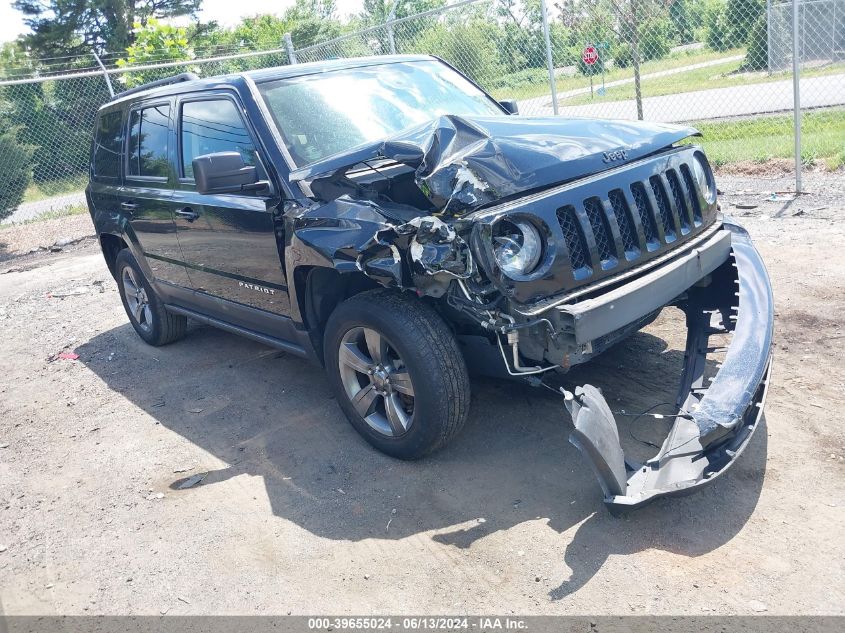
391, 41
768, 37
549, 60
289, 48
105, 74
796, 94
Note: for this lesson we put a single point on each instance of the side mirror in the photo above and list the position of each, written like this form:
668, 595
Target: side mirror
510, 105
225, 172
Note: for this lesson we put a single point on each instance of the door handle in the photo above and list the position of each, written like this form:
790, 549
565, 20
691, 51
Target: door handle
188, 213
128, 206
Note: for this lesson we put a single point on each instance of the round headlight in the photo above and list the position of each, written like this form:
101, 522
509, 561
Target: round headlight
704, 178
518, 246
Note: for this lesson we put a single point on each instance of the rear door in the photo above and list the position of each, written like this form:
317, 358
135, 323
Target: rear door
104, 186
228, 241
148, 188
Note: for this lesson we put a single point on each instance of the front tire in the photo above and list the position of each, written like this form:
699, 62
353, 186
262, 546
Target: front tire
145, 310
397, 372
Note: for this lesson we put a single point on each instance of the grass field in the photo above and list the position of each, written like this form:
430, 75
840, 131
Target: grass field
77, 209
765, 138
718, 76
52, 188
535, 83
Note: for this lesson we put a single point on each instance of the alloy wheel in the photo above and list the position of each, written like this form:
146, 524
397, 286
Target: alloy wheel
137, 300
377, 382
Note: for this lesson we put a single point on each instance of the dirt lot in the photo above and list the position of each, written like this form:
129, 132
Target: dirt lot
298, 515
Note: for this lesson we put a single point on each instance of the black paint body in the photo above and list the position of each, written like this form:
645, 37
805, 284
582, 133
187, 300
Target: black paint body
613, 201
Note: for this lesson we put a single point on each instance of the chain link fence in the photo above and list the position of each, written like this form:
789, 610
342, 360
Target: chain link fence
725, 66
47, 122
821, 33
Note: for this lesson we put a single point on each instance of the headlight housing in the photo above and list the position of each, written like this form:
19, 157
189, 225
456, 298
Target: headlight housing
517, 246
704, 177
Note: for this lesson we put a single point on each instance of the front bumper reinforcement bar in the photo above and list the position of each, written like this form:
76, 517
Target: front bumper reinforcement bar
717, 417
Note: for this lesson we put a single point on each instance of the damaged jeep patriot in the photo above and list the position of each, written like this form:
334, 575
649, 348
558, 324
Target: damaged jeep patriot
388, 219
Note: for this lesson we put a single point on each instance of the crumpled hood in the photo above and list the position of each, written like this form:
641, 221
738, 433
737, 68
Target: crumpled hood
463, 162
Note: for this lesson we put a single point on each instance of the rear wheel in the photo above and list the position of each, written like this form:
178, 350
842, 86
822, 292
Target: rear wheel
397, 372
146, 312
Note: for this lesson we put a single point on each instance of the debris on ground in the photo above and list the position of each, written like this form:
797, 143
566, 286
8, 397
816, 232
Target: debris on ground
66, 356
73, 292
777, 196
153, 496
192, 481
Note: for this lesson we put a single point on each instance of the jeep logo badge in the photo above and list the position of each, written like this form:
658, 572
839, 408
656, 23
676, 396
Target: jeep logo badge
612, 157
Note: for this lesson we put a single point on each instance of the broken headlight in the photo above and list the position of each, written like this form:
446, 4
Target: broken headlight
704, 177
517, 245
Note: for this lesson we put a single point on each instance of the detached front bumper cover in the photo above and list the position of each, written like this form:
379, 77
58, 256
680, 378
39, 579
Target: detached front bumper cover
716, 420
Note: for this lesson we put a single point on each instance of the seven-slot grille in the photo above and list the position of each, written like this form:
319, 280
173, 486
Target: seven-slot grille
640, 218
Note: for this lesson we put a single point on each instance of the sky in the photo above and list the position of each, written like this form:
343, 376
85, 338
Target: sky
226, 12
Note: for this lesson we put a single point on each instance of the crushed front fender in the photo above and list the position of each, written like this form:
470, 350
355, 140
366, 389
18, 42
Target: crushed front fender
717, 417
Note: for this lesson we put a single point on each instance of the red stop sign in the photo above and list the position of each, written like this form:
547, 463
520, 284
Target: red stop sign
590, 55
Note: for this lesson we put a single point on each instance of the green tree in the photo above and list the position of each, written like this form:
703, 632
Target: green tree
378, 11
312, 21
655, 42
683, 20
741, 16
717, 30
639, 24
56, 117
757, 57
728, 24
15, 169
155, 42
69, 27
467, 46
254, 33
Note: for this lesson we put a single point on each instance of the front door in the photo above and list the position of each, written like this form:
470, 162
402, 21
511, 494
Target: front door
148, 188
228, 241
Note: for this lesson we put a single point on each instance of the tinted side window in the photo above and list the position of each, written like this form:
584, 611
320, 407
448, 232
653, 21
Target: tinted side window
107, 146
213, 126
148, 141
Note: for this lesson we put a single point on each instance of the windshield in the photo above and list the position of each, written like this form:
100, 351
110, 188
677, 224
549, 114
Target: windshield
327, 113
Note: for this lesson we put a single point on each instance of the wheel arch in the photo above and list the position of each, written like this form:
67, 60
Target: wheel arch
319, 290
111, 245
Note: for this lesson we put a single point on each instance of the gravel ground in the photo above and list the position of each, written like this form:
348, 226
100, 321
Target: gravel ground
296, 514
33, 238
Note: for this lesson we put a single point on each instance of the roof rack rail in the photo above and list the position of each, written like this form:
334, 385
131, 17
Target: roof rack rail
175, 79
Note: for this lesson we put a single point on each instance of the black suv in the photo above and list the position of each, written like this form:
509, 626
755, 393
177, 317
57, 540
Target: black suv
387, 218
